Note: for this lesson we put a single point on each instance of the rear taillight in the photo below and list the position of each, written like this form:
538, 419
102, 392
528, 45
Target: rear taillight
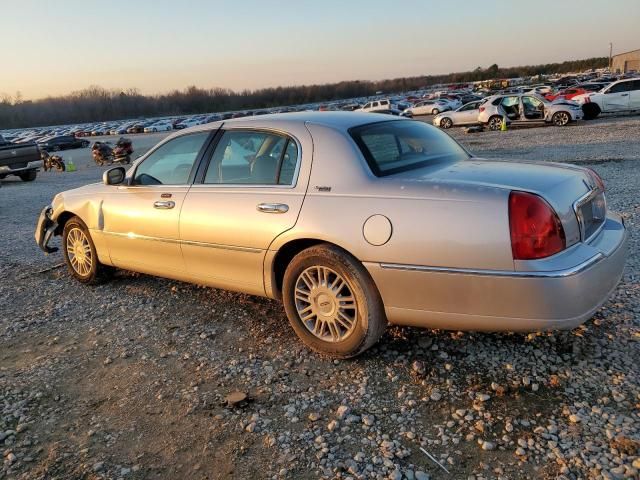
482, 109
536, 231
596, 178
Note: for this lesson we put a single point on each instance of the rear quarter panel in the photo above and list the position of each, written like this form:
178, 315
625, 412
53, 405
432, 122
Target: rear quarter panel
433, 224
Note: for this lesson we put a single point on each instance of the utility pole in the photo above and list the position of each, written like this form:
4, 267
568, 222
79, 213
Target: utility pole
610, 55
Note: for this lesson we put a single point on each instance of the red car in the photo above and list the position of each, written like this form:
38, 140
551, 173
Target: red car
569, 93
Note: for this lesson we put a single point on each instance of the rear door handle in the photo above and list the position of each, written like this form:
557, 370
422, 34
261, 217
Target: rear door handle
624, 94
273, 208
164, 205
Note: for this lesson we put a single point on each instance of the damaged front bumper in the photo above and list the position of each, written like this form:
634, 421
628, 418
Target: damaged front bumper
45, 230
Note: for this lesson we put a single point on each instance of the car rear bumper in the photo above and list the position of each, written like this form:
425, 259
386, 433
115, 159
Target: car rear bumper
481, 300
9, 170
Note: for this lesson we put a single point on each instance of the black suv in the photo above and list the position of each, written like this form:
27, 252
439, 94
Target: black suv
63, 142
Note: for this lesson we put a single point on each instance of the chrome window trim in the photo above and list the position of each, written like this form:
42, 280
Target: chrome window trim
568, 272
275, 131
577, 205
134, 236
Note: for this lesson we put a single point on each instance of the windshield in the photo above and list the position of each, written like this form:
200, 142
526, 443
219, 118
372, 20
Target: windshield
397, 146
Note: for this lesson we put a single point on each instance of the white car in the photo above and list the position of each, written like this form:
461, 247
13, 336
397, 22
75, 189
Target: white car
620, 96
527, 109
429, 107
465, 115
162, 126
376, 106
189, 122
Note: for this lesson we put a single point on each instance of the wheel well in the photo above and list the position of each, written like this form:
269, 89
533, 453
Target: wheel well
62, 219
285, 255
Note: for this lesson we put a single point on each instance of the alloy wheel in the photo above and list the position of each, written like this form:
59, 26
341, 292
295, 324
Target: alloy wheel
79, 252
495, 123
561, 119
326, 304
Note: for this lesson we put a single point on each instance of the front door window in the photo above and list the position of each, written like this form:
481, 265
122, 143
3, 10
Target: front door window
532, 108
172, 162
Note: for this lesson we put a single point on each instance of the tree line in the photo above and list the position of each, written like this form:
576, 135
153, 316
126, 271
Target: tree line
98, 104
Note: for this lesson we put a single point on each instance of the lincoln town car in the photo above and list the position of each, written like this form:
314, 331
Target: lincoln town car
354, 221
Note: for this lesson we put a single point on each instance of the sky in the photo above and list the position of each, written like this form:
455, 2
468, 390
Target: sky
52, 47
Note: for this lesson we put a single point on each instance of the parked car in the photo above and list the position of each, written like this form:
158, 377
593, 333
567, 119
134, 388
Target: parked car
620, 96
375, 105
62, 142
393, 111
22, 160
571, 93
423, 234
137, 127
527, 109
429, 107
465, 115
189, 122
161, 126
539, 89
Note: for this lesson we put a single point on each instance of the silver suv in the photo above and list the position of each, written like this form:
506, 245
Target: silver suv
526, 108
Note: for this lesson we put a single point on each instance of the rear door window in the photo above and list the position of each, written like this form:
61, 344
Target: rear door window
394, 146
250, 157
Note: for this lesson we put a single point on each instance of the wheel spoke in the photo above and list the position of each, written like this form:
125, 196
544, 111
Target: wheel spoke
337, 285
303, 296
343, 320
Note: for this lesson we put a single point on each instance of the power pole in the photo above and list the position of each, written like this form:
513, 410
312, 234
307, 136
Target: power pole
610, 55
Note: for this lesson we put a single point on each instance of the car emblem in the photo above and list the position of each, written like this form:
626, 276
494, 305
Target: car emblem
14, 153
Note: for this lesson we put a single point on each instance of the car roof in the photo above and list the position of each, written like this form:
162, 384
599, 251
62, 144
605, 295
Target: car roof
338, 120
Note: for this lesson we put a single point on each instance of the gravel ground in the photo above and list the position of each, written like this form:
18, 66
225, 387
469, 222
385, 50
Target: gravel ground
130, 379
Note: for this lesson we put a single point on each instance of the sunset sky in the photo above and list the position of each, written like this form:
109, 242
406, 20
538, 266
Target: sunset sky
51, 48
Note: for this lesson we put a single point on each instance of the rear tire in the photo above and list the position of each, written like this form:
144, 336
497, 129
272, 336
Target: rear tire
495, 123
29, 176
590, 111
332, 302
80, 254
435, 111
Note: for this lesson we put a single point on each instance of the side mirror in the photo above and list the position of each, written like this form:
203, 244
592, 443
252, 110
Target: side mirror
114, 176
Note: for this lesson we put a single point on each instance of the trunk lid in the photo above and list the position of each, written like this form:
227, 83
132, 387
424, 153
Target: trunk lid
570, 190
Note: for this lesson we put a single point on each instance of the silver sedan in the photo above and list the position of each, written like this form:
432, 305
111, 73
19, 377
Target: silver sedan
353, 220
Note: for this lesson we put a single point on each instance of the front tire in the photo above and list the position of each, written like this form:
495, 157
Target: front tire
332, 302
80, 254
561, 119
29, 176
446, 123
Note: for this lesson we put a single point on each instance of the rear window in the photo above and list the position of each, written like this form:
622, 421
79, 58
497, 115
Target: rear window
401, 145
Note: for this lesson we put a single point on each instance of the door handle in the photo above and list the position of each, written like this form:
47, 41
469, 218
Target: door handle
273, 208
164, 205
624, 94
